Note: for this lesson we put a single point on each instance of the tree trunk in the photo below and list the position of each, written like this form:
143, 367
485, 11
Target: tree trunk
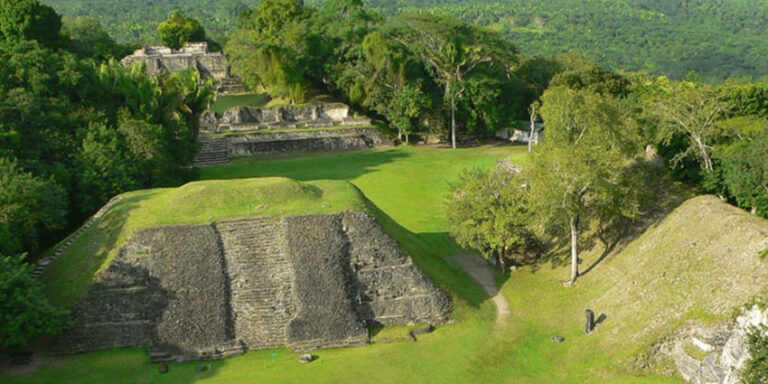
533, 128
453, 124
574, 249
708, 167
501, 263
407, 139
754, 210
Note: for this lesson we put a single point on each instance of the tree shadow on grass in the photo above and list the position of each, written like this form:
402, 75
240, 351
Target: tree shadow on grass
306, 166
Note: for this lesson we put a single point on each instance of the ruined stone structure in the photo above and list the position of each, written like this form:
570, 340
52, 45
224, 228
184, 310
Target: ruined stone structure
725, 348
210, 291
211, 65
249, 131
243, 119
219, 149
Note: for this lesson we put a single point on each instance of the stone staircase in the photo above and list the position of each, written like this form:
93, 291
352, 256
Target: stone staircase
261, 276
43, 264
162, 355
214, 150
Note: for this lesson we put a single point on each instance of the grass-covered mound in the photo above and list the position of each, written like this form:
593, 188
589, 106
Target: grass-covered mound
697, 264
194, 203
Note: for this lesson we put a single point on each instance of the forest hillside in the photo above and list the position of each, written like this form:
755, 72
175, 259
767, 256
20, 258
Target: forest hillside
717, 39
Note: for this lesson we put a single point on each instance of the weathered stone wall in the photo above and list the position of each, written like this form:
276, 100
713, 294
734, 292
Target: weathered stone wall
188, 262
166, 289
219, 149
209, 291
324, 287
243, 118
312, 141
392, 289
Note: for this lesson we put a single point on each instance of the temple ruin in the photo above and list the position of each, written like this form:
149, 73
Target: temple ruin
211, 65
210, 291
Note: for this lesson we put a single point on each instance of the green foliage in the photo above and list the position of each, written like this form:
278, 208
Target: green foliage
25, 313
272, 48
29, 206
756, 370
581, 74
584, 170
179, 29
29, 20
744, 172
490, 212
87, 38
85, 132
662, 37
693, 111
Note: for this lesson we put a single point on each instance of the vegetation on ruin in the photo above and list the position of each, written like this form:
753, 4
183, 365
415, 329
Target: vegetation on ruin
200, 202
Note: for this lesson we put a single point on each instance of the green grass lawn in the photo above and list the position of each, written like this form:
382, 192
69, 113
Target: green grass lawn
225, 102
405, 188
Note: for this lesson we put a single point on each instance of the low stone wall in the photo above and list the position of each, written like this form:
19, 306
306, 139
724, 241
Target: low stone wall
311, 141
209, 291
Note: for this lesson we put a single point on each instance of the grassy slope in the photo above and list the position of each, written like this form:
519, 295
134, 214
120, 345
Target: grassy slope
408, 185
193, 203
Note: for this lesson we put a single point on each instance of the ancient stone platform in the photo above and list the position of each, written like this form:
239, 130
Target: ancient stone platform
245, 119
249, 131
209, 291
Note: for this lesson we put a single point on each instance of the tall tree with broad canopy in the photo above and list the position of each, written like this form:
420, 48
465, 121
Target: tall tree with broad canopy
272, 47
692, 110
30, 20
453, 50
584, 168
489, 212
179, 29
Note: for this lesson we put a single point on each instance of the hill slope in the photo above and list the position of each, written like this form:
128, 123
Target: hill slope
699, 263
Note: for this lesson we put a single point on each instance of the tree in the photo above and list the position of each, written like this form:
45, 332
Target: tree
692, 110
29, 206
488, 212
25, 313
744, 172
179, 29
453, 50
581, 171
30, 20
87, 38
391, 88
271, 48
533, 113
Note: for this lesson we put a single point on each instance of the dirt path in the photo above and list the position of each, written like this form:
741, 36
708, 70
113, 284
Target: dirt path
486, 276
